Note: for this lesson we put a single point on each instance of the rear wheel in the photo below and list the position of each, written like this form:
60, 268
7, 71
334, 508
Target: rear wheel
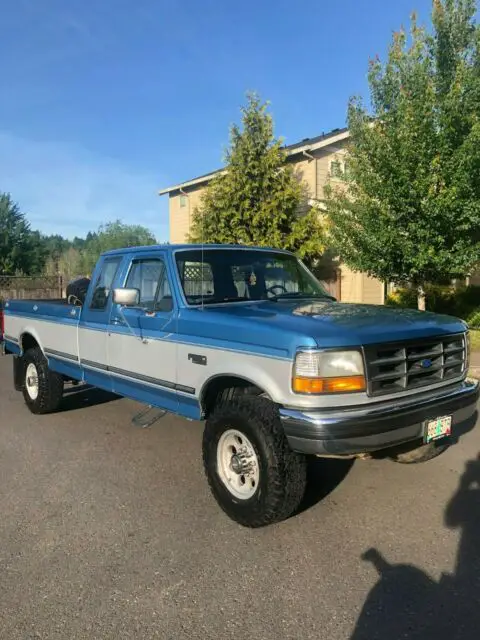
420, 454
18, 373
42, 388
252, 472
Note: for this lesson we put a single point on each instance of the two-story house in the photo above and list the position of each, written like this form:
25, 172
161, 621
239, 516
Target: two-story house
315, 160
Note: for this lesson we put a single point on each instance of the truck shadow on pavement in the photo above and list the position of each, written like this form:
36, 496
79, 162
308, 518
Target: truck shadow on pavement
324, 475
84, 395
407, 603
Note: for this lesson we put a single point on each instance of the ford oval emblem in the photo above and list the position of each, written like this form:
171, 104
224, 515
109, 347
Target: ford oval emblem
426, 363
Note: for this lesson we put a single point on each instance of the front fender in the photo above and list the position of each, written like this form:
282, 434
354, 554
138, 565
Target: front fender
270, 375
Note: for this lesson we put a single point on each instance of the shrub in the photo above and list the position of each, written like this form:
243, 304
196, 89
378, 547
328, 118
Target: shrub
473, 319
463, 303
404, 298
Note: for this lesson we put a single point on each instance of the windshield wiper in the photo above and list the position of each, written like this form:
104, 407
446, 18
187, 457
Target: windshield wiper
300, 294
225, 299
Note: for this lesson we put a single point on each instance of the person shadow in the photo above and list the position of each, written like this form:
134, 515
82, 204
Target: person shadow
407, 603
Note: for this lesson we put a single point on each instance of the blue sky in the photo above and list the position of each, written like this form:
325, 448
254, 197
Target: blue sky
103, 102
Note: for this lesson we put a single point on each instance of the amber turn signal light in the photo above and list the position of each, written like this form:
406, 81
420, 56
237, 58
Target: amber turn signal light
344, 384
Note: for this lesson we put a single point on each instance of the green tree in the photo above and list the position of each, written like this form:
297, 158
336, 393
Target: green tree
410, 209
15, 240
38, 252
69, 264
56, 244
113, 235
257, 199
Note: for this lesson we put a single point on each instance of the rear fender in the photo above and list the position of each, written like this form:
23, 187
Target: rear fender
26, 335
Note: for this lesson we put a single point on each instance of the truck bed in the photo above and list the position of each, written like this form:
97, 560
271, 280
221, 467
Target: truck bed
62, 301
44, 309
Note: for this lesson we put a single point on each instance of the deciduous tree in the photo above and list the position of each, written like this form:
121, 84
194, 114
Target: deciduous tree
410, 211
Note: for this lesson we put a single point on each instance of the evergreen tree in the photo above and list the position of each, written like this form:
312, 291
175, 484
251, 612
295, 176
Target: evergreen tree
256, 200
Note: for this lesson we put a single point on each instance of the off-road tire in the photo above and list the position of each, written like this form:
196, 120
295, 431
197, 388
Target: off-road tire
282, 478
18, 373
420, 454
50, 384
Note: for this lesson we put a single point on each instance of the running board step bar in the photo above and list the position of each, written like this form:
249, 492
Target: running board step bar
147, 416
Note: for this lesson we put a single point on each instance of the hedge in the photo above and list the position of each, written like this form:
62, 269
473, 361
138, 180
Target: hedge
463, 303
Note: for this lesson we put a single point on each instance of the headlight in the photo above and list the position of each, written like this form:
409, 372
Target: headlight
328, 372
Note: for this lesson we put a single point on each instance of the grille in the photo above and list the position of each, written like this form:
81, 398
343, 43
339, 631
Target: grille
398, 367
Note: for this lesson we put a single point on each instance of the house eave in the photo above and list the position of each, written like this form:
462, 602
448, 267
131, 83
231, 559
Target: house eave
295, 150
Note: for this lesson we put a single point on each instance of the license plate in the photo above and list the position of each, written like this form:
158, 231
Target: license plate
438, 428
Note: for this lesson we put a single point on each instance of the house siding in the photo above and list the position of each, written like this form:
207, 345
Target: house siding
304, 171
475, 279
351, 285
359, 287
373, 290
181, 218
323, 159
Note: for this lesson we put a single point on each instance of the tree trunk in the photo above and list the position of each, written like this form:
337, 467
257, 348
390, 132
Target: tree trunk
421, 298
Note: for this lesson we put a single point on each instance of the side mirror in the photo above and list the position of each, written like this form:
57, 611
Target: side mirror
126, 297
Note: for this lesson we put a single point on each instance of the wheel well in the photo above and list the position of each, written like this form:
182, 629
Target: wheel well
225, 388
28, 342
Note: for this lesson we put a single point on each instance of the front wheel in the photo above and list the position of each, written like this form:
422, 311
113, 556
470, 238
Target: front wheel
252, 472
42, 388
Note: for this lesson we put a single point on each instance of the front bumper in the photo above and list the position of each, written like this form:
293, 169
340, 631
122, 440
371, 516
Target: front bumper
362, 429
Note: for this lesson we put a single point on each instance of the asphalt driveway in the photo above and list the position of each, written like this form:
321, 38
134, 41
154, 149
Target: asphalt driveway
109, 531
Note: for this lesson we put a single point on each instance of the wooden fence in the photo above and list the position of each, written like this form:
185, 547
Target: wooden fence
31, 287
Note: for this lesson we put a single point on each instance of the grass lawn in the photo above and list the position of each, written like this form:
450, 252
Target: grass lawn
475, 340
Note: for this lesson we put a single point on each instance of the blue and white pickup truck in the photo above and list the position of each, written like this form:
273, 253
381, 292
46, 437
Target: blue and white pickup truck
248, 340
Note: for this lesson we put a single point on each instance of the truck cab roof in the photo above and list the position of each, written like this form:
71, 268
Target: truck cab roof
171, 248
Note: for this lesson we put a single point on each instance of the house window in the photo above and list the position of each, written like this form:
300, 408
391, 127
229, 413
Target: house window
336, 169
183, 200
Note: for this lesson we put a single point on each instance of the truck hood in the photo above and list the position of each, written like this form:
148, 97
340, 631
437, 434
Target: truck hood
341, 324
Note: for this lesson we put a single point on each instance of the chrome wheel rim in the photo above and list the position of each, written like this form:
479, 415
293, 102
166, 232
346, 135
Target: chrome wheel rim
237, 464
31, 381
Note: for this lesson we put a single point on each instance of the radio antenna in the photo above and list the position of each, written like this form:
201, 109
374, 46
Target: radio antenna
202, 265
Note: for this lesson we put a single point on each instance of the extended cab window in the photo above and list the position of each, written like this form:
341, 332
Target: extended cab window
197, 278
104, 282
150, 278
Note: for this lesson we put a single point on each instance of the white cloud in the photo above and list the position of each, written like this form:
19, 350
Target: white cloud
68, 190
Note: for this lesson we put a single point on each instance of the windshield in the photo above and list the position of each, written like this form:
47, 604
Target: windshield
229, 275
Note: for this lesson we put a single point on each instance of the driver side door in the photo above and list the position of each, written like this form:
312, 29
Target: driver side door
93, 325
141, 352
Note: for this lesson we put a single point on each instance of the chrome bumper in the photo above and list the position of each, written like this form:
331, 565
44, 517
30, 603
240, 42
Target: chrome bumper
361, 429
